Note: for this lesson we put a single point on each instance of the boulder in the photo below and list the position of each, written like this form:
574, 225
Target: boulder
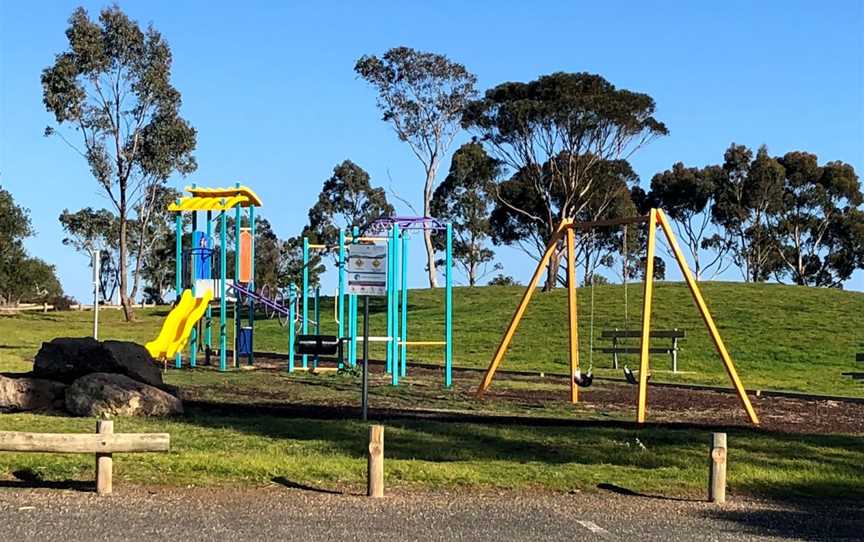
105, 394
68, 359
24, 393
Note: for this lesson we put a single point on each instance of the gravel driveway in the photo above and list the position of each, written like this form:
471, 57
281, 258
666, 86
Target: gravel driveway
279, 513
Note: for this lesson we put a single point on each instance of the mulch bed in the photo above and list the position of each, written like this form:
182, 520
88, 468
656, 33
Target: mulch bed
665, 404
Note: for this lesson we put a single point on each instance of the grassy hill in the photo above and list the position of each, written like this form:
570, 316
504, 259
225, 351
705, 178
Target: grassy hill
780, 337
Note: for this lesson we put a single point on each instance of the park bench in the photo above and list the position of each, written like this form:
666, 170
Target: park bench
857, 375
103, 443
619, 338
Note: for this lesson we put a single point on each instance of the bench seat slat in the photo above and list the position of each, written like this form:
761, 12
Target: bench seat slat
636, 333
631, 350
859, 357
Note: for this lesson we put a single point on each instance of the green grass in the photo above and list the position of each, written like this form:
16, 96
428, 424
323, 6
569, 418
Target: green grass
221, 450
780, 337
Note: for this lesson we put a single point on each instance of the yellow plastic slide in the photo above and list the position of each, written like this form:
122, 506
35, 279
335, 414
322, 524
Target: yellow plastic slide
178, 325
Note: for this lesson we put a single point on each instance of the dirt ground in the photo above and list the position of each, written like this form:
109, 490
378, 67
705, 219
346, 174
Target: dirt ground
547, 397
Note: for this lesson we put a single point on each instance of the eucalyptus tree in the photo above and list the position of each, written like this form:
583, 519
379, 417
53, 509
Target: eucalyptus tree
747, 194
464, 199
552, 133
347, 199
422, 96
112, 89
818, 229
687, 195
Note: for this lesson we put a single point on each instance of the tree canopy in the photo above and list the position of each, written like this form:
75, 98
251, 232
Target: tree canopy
552, 133
422, 95
112, 87
464, 199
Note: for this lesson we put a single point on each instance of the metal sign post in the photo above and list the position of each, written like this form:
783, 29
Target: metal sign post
96, 262
367, 276
364, 399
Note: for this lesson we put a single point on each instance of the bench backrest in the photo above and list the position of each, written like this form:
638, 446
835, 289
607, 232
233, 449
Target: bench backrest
637, 333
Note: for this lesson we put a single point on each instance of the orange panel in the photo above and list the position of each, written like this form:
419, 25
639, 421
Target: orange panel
245, 255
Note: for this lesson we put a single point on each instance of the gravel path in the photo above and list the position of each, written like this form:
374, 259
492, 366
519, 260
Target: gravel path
190, 515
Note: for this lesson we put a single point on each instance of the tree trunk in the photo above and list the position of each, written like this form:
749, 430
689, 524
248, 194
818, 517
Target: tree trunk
125, 302
552, 271
427, 234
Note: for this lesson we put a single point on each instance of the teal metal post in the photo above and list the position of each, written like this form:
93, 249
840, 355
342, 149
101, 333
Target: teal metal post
403, 272
352, 329
238, 316
352, 311
448, 310
316, 314
193, 272
304, 294
208, 319
341, 293
292, 297
251, 357
223, 309
178, 268
388, 350
393, 283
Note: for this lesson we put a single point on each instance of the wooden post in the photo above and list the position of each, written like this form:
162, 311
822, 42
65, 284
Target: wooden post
523, 304
375, 470
717, 475
104, 461
572, 316
646, 318
707, 318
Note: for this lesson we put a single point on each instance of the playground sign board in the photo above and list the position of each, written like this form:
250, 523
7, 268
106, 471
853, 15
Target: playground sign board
367, 270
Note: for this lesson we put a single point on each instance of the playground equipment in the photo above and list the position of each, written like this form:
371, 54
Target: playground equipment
395, 232
196, 282
564, 233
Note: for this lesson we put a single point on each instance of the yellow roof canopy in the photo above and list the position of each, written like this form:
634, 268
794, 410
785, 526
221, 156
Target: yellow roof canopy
216, 199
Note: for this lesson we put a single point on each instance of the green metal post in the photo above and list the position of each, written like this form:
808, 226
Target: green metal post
448, 310
223, 309
178, 268
304, 295
404, 327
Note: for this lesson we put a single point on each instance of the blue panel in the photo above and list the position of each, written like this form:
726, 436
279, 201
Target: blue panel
244, 341
202, 254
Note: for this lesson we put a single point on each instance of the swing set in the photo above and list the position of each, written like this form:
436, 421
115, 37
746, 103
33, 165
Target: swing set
566, 232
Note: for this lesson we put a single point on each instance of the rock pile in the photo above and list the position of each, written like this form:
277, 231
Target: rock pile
87, 377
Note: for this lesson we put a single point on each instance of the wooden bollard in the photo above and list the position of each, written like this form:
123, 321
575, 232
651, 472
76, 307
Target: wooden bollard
717, 475
104, 462
375, 471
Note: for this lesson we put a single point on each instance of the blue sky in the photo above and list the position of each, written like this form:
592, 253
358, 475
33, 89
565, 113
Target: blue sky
271, 90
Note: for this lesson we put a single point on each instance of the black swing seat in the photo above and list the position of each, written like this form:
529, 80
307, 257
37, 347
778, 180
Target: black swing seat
631, 377
583, 381
316, 345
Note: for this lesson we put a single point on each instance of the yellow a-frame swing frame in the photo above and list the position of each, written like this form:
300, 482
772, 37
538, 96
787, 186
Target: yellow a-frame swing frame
565, 231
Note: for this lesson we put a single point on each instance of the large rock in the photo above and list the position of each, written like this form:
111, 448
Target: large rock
68, 359
104, 394
24, 393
